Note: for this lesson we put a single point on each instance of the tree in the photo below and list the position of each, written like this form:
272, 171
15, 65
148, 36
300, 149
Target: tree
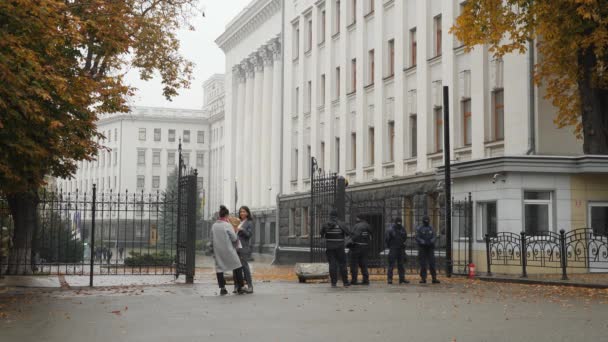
572, 41
61, 64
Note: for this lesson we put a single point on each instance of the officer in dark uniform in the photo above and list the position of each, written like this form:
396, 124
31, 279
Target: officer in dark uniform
425, 237
395, 239
334, 233
361, 236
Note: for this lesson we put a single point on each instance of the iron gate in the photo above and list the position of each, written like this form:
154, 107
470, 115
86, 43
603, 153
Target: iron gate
462, 235
323, 189
104, 232
186, 220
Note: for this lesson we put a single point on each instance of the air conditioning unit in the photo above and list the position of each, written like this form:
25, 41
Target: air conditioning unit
496, 73
464, 84
437, 93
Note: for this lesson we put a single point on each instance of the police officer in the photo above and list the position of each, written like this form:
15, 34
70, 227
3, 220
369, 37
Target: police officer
361, 235
425, 237
334, 233
395, 242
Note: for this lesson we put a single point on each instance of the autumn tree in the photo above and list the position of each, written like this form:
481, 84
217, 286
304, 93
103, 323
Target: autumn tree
62, 65
572, 41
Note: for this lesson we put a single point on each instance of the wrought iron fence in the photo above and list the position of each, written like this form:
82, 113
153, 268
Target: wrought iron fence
105, 233
578, 249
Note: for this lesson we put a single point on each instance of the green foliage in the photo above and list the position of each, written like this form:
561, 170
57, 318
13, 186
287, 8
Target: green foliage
154, 259
59, 243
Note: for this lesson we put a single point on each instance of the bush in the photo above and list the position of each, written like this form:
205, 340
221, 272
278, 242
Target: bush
155, 259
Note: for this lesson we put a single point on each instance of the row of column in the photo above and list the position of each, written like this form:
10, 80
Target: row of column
257, 117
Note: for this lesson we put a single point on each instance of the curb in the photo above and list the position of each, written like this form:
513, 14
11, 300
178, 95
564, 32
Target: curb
541, 282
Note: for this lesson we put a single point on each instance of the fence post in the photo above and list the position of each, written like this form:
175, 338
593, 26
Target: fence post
562, 244
524, 257
191, 230
488, 260
92, 261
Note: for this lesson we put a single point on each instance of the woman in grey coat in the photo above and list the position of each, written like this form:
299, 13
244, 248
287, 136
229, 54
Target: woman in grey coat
226, 258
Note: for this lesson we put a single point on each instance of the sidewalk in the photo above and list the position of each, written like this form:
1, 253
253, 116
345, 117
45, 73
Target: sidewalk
587, 280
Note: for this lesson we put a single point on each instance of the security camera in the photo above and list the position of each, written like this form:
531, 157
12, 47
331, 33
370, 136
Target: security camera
497, 177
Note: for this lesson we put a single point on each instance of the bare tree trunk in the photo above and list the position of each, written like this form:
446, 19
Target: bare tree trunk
24, 208
594, 106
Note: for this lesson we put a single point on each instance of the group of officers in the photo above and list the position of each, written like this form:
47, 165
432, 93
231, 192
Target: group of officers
357, 240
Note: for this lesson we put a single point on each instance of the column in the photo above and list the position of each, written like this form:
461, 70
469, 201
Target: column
275, 157
425, 112
400, 90
380, 118
266, 130
240, 126
246, 132
255, 130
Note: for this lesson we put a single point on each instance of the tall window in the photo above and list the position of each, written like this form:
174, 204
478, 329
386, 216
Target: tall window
115, 134
296, 161
309, 96
296, 41
171, 135
171, 159
200, 137
156, 158
141, 182
292, 222
353, 13
391, 57
337, 82
371, 5
371, 66
499, 114
371, 146
353, 72
391, 141
200, 159
438, 116
466, 122
413, 47
157, 134
337, 161
437, 29
322, 94
598, 217
308, 161
353, 156
538, 211
309, 40
337, 19
296, 103
322, 156
322, 28
487, 219
186, 158
142, 134
413, 135
186, 136
141, 157
155, 182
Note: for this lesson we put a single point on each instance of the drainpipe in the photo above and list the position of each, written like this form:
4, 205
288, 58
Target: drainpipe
277, 216
531, 98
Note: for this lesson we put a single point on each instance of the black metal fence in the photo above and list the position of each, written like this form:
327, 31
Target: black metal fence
108, 233
576, 250
323, 195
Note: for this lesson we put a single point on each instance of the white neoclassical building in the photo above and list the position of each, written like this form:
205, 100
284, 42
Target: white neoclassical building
142, 150
361, 91
253, 105
214, 101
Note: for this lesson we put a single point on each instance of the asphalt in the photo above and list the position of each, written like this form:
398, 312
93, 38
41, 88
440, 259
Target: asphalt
281, 311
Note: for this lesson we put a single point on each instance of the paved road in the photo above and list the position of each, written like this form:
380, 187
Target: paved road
459, 311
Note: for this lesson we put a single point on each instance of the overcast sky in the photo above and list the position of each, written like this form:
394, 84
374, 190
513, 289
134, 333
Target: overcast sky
198, 46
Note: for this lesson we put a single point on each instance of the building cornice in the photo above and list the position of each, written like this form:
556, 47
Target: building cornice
585, 164
252, 17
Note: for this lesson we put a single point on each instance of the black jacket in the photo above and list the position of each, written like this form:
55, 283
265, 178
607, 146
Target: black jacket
425, 236
334, 233
245, 235
395, 237
361, 234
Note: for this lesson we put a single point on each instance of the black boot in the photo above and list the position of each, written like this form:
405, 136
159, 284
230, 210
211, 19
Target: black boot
436, 281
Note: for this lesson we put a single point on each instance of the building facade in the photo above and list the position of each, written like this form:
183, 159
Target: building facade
253, 82
214, 110
141, 151
363, 95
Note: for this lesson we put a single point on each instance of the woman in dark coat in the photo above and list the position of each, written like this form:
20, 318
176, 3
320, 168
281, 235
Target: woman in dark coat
245, 232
